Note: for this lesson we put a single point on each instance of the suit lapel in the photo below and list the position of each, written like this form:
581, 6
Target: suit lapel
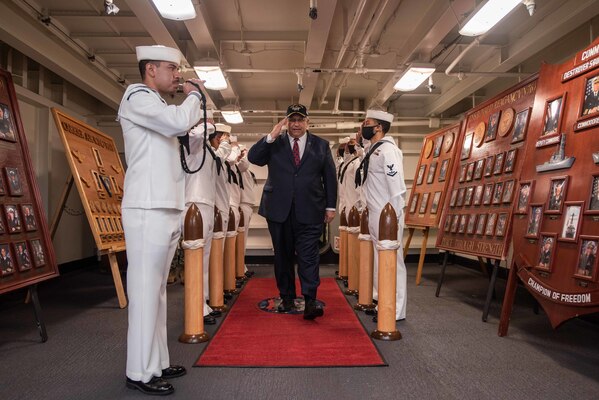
287, 146
307, 149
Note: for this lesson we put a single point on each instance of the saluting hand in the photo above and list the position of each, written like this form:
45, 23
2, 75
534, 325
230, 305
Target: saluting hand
276, 131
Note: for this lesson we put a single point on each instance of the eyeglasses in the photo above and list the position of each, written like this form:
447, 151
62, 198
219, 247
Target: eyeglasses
292, 120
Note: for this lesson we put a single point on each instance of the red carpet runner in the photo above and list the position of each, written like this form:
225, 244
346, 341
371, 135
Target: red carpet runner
250, 337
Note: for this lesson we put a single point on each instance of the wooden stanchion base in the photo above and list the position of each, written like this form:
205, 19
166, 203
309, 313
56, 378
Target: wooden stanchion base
363, 307
194, 339
388, 336
223, 308
339, 278
241, 278
351, 292
343, 278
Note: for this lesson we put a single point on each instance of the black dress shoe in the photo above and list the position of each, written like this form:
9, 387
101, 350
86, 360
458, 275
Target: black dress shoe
157, 386
228, 296
238, 284
313, 310
216, 314
375, 301
370, 311
249, 274
286, 305
208, 320
345, 283
174, 371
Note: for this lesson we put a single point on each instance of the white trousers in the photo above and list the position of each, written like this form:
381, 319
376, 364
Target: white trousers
151, 237
401, 296
248, 210
207, 213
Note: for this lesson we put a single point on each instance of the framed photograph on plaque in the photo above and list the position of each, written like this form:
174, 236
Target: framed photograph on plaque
508, 191
453, 198
510, 160
463, 170
497, 193
553, 115
28, 217
502, 220
13, 177
37, 250
7, 263
22, 256
480, 224
492, 127
435, 203
557, 194
469, 172
520, 126
13, 218
524, 194
491, 221
423, 203
586, 264
572, 221
487, 194
414, 203
478, 195
546, 251
466, 147
443, 170
420, 177
593, 203
471, 224
535, 218
590, 102
490, 161
7, 126
498, 167
438, 146
478, 169
431, 172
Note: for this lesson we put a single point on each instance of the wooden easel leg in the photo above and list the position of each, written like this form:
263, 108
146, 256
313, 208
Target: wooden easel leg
63, 199
116, 277
422, 256
37, 309
408, 241
440, 281
490, 291
483, 266
508, 301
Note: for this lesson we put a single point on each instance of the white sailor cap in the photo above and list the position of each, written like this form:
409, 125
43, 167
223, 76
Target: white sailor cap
353, 136
158, 53
233, 138
223, 128
378, 114
344, 140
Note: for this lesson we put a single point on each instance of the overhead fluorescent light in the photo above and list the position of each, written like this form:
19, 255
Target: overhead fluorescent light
179, 10
231, 114
414, 76
212, 76
487, 15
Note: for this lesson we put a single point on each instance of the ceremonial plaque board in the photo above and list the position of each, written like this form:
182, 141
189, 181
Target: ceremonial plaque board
99, 176
557, 262
26, 252
489, 156
432, 177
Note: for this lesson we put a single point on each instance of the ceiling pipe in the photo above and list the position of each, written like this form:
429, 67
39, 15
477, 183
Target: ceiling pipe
346, 43
352, 70
359, 59
462, 75
352, 125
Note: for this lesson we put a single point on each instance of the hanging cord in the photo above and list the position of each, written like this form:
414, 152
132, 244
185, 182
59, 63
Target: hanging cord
184, 140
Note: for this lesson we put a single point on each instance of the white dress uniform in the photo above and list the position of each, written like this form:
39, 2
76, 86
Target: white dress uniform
154, 197
234, 189
200, 189
222, 185
347, 181
385, 184
248, 197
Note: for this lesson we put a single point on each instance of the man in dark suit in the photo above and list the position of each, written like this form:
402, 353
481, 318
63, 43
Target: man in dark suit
299, 195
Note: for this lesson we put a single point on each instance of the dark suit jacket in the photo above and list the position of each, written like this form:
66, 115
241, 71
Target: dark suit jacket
312, 186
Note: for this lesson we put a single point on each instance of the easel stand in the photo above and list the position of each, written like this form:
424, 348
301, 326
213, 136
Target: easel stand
114, 265
425, 231
490, 290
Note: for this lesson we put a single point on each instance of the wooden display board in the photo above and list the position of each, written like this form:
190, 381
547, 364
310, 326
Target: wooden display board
26, 252
99, 176
557, 225
432, 177
478, 207
429, 186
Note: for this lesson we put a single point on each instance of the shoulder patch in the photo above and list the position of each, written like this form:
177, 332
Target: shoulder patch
391, 170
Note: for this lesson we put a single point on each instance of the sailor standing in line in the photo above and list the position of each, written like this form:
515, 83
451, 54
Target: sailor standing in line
248, 198
347, 177
339, 164
200, 189
154, 197
381, 175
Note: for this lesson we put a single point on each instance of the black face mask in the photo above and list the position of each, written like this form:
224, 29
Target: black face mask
368, 132
351, 148
340, 152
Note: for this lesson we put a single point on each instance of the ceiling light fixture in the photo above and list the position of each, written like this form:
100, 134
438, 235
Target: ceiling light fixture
231, 114
179, 10
210, 72
414, 76
110, 8
487, 15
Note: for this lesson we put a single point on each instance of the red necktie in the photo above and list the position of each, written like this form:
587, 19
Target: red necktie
296, 153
